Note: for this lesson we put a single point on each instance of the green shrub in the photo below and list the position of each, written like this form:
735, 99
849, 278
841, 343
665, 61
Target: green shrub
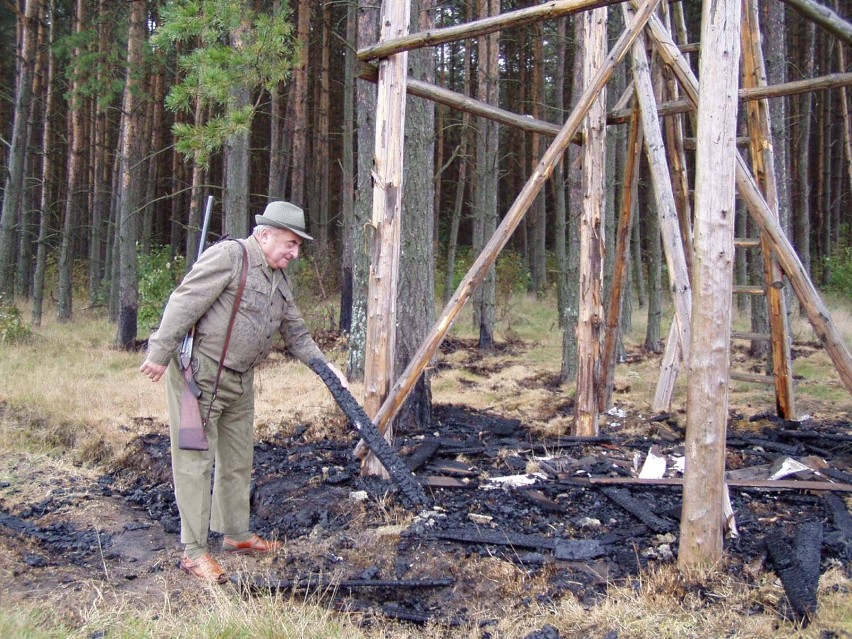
12, 326
839, 268
159, 274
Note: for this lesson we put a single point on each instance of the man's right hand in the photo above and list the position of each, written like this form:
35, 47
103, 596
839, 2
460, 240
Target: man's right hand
153, 370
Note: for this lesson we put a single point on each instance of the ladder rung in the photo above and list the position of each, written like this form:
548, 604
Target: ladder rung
752, 377
747, 242
691, 47
751, 337
749, 290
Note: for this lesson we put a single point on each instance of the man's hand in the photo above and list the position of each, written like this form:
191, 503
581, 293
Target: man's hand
153, 370
344, 382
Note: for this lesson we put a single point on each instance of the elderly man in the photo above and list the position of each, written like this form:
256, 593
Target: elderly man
205, 299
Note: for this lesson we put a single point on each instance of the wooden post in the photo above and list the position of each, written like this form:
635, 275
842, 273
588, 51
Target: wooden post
811, 302
667, 211
386, 222
619, 272
763, 164
590, 318
486, 258
702, 521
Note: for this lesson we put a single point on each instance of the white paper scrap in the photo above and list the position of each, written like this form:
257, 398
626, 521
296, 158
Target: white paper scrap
654, 466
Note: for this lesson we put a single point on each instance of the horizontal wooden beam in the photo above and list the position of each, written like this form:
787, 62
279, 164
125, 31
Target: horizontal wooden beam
770, 484
824, 17
821, 83
519, 18
465, 104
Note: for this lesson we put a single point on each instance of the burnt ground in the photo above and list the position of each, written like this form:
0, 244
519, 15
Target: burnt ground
481, 544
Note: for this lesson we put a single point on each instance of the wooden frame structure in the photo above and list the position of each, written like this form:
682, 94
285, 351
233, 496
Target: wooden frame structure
756, 185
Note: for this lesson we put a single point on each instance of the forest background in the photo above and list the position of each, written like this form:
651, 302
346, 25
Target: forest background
119, 119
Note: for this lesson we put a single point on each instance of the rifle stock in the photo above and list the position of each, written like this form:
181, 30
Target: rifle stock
191, 435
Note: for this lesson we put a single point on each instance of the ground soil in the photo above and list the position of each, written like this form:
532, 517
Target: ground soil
481, 548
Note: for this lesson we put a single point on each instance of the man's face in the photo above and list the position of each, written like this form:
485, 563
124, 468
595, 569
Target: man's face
280, 246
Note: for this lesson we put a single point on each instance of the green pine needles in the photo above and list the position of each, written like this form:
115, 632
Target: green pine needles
228, 56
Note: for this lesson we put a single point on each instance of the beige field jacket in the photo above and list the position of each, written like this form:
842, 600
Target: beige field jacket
206, 296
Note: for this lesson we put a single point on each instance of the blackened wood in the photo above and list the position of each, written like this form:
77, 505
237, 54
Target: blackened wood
638, 509
840, 515
579, 549
540, 500
321, 582
423, 453
798, 567
494, 537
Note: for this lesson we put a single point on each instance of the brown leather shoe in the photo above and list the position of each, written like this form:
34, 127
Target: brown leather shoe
205, 568
250, 546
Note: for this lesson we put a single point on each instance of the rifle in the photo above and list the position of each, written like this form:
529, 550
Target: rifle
191, 434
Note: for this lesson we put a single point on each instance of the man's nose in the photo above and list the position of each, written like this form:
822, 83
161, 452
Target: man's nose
294, 252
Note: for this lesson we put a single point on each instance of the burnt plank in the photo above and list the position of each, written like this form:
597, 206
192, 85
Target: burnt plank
322, 582
540, 500
579, 549
494, 537
798, 567
638, 509
423, 453
840, 515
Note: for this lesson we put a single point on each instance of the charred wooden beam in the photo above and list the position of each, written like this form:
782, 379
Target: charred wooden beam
638, 509
413, 493
422, 454
323, 582
798, 567
495, 538
840, 516
579, 549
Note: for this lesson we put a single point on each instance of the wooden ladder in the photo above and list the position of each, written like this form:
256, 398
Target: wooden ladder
781, 376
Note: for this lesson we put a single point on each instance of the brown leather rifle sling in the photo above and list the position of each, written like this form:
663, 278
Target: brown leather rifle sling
237, 299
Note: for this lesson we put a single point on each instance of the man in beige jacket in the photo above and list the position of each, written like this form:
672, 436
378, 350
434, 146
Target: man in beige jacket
205, 299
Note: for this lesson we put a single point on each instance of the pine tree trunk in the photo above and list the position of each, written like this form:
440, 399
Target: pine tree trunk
365, 99
46, 199
538, 212
319, 205
487, 185
13, 188
299, 102
802, 114
416, 293
560, 203
347, 193
132, 178
76, 181
651, 227
570, 310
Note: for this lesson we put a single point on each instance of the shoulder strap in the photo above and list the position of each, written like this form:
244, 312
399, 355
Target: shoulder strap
237, 299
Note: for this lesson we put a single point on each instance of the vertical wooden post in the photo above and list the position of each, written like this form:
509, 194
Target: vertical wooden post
669, 222
763, 164
707, 396
590, 316
622, 248
386, 221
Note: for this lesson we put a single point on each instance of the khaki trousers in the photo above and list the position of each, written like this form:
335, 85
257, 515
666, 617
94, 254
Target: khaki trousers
228, 461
